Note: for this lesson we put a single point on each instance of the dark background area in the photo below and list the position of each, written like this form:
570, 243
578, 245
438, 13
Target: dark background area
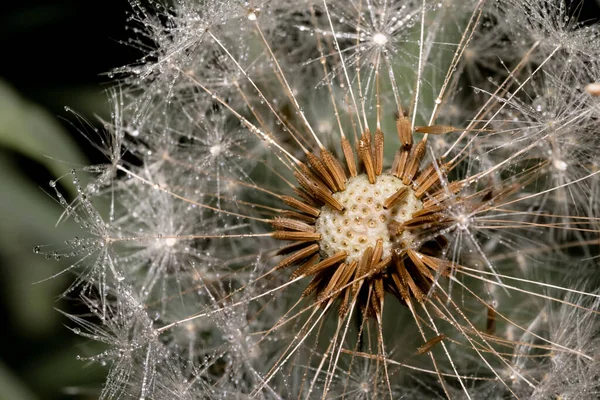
52, 54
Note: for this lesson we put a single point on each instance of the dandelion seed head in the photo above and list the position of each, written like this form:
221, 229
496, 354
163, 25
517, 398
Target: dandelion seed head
240, 225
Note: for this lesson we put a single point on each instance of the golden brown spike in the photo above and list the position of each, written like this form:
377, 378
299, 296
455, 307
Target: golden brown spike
380, 266
396, 198
417, 259
297, 256
345, 278
299, 205
344, 304
349, 156
322, 265
408, 280
298, 236
424, 220
365, 262
362, 268
398, 279
377, 252
435, 129
372, 309
335, 168
400, 161
321, 171
429, 182
364, 153
334, 283
424, 174
313, 285
307, 198
318, 190
299, 216
308, 179
329, 200
287, 223
428, 210
404, 131
413, 163
431, 170
426, 348
305, 191
348, 273
300, 271
379, 291
378, 152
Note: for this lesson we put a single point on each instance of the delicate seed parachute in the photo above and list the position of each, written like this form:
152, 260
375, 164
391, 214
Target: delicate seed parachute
347, 198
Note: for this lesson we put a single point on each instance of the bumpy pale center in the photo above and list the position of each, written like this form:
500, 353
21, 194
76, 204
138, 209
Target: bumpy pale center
364, 220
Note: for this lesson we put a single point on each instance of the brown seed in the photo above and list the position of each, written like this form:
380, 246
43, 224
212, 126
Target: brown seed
400, 160
364, 152
295, 225
335, 168
299, 205
404, 131
435, 129
321, 171
426, 348
378, 152
349, 156
299, 236
413, 163
396, 198
297, 256
322, 265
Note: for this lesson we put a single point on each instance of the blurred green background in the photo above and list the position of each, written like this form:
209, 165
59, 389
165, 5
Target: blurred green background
52, 54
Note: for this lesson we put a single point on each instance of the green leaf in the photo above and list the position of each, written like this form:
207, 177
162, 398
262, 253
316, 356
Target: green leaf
28, 218
12, 387
33, 132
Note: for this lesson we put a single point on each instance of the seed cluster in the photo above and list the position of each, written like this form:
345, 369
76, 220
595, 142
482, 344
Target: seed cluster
358, 237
